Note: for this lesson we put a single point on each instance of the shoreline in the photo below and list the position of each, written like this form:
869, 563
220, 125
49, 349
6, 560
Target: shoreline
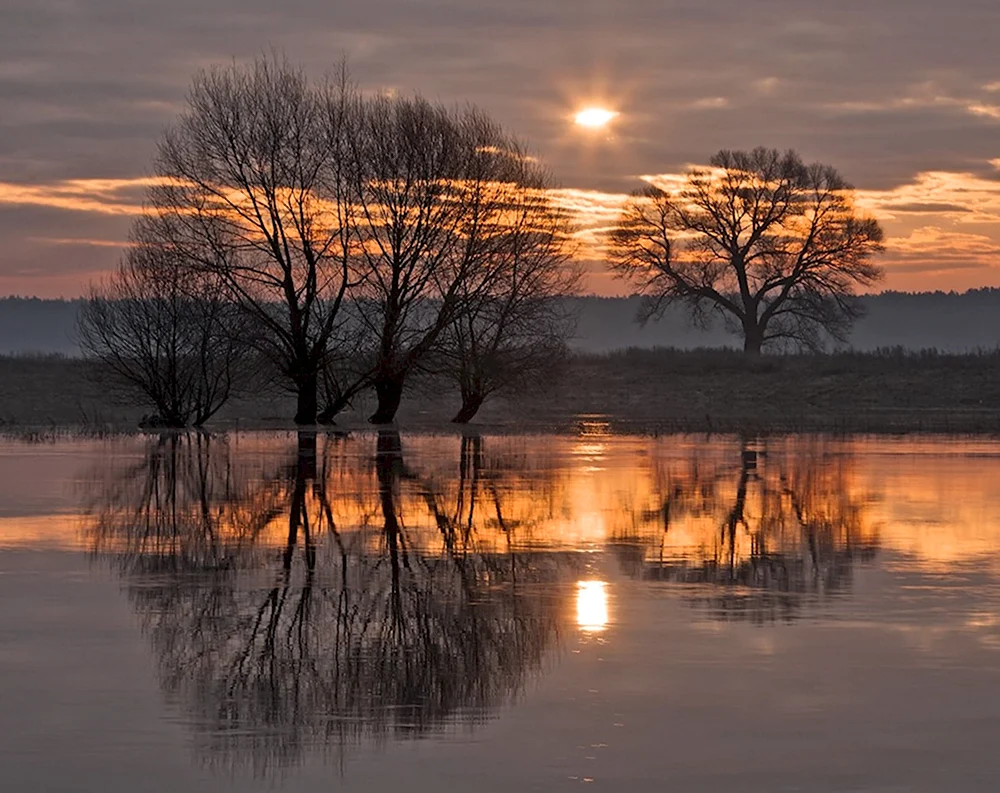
633, 392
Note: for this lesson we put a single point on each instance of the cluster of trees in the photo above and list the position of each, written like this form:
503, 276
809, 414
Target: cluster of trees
334, 243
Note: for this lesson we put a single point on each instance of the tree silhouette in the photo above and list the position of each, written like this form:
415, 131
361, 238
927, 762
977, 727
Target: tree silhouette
772, 245
512, 332
250, 190
442, 198
164, 335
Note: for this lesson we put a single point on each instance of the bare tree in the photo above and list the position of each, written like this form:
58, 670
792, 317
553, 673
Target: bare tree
250, 190
418, 193
774, 246
515, 319
164, 335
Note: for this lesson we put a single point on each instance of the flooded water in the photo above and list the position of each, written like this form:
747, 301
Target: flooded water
376, 612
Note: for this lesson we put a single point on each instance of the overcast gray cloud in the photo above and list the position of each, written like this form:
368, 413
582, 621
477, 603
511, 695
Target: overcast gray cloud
886, 90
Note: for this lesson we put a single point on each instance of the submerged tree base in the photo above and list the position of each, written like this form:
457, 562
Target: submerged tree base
156, 422
635, 391
327, 418
390, 395
470, 407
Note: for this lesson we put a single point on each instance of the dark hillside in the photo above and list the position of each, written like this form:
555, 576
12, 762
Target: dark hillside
949, 322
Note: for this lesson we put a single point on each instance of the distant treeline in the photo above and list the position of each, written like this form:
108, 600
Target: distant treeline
947, 321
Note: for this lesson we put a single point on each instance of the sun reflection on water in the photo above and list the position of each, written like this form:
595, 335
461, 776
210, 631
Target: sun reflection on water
592, 606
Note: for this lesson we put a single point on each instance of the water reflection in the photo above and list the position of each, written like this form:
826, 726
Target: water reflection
756, 533
303, 594
592, 606
306, 605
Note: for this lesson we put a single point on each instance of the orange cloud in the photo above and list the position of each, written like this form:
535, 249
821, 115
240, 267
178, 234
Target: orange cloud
936, 223
932, 249
83, 241
102, 196
961, 197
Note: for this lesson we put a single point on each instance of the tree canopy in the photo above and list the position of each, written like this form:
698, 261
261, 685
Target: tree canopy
774, 245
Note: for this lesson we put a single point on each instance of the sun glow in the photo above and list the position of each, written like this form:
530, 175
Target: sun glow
594, 117
591, 606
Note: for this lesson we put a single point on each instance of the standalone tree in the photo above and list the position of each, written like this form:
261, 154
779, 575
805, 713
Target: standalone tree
773, 245
250, 190
516, 317
164, 335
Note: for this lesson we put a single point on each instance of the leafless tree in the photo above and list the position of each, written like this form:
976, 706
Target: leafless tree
250, 189
164, 335
515, 321
774, 246
425, 172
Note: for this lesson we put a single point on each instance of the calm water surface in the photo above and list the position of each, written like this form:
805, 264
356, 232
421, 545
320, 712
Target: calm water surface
376, 612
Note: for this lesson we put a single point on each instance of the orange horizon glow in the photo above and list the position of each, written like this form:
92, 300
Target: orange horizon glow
933, 506
943, 230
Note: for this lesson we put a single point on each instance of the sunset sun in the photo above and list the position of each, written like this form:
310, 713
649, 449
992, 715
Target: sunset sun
594, 117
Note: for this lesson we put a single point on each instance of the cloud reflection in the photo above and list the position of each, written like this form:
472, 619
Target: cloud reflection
311, 592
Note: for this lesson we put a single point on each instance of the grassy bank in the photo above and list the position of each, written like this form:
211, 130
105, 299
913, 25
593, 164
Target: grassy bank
721, 390
634, 390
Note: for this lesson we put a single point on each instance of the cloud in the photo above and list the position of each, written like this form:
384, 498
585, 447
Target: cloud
927, 208
767, 85
102, 196
932, 249
964, 197
74, 241
87, 88
710, 103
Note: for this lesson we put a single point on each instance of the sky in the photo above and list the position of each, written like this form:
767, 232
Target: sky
902, 96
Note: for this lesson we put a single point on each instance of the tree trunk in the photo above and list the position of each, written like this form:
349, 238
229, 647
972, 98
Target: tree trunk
753, 339
390, 393
470, 407
329, 413
306, 402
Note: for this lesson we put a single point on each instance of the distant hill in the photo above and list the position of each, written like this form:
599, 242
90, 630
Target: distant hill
948, 321
32, 325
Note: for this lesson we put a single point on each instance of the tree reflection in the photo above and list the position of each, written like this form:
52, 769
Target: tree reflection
301, 597
757, 537
307, 605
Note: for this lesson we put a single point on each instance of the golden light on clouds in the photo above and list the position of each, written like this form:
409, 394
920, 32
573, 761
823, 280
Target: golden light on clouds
594, 117
100, 196
943, 227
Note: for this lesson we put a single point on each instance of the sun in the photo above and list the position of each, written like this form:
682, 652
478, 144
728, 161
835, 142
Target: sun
594, 117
